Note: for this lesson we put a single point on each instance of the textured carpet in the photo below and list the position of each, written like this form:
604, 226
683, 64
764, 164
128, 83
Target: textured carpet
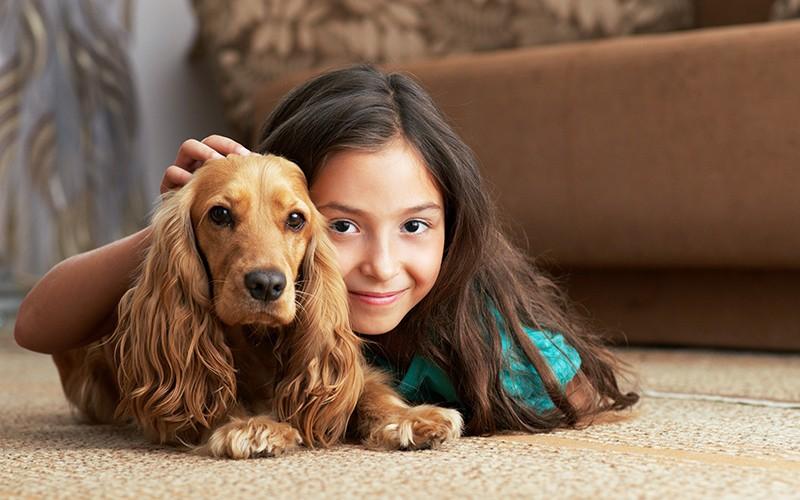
709, 425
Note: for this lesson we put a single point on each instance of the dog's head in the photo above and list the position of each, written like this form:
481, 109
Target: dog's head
253, 223
240, 244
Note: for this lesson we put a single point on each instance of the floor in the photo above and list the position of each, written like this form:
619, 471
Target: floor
710, 424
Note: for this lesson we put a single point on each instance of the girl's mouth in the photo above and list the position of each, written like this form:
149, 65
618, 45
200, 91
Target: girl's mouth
377, 299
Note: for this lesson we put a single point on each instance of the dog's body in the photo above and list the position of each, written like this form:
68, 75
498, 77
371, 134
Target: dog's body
236, 338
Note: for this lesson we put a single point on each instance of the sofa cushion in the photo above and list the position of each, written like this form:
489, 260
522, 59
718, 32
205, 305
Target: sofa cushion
247, 43
674, 151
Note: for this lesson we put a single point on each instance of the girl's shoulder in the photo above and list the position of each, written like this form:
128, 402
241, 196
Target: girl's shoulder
520, 378
425, 381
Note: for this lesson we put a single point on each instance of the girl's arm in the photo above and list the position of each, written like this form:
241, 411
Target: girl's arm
76, 301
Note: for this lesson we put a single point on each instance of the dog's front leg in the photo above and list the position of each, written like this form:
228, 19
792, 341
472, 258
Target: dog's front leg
245, 436
385, 421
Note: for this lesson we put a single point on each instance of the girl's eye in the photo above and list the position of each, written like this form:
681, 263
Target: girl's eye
343, 226
220, 216
296, 221
415, 227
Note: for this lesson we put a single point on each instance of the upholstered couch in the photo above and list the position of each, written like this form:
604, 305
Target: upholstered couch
657, 175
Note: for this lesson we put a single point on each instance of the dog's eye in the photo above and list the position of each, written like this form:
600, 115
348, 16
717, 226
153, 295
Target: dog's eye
296, 221
221, 216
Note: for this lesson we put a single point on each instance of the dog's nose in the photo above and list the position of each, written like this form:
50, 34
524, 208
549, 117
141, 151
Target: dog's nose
265, 285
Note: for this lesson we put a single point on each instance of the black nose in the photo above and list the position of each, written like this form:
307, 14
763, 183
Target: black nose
265, 285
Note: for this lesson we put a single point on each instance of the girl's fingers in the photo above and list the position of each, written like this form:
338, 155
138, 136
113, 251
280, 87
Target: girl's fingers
175, 177
193, 153
225, 145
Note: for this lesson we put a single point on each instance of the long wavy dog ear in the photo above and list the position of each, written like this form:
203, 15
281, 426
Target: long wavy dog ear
325, 374
175, 371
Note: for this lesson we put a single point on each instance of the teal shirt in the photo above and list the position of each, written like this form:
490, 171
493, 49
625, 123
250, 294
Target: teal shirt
425, 382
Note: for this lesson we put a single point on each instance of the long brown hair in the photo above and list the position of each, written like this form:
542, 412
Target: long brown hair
363, 108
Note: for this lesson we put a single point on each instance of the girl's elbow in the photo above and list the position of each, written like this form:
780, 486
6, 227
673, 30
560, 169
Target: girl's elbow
24, 331
21, 336
27, 325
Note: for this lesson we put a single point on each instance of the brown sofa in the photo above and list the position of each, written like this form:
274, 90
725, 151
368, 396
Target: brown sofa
657, 175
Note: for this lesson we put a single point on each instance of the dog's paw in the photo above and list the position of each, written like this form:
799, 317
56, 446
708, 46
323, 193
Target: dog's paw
250, 438
417, 428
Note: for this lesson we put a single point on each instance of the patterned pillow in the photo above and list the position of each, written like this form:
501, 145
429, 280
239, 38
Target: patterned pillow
785, 9
249, 42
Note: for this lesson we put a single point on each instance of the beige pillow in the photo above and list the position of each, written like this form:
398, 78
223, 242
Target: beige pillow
250, 42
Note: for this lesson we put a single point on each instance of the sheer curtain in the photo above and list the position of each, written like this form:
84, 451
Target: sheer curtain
69, 175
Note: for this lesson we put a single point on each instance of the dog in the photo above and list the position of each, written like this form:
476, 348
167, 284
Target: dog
235, 339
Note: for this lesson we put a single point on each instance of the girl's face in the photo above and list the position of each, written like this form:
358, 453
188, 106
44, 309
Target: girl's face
386, 220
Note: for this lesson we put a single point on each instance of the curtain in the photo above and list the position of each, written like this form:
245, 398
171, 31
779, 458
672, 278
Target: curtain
69, 179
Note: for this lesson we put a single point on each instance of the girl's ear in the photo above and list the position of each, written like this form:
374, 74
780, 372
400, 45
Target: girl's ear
324, 376
175, 371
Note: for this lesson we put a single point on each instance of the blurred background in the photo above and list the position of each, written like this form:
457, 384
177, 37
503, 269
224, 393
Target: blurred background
644, 151
166, 103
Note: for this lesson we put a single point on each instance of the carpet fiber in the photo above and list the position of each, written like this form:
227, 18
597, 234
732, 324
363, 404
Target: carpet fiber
709, 424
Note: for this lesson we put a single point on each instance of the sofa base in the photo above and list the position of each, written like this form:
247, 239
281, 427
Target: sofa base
692, 307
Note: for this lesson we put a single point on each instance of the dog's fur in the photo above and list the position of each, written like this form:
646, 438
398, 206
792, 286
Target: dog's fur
201, 358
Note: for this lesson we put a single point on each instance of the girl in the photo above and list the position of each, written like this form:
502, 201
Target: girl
457, 314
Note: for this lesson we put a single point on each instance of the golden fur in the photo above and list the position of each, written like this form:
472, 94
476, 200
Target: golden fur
198, 359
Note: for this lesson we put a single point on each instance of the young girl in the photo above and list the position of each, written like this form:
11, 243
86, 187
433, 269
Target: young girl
457, 314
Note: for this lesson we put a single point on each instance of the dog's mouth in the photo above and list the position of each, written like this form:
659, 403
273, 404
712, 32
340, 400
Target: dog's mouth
236, 303
243, 310
261, 315
271, 320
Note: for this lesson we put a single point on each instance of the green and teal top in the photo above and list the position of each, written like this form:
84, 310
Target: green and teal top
425, 382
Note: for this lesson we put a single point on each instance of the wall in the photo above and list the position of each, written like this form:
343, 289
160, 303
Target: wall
176, 102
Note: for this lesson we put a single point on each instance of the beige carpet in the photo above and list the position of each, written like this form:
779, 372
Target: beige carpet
710, 425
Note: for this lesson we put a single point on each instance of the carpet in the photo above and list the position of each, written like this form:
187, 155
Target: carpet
709, 425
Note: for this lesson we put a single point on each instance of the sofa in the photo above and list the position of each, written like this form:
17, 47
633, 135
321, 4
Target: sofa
655, 176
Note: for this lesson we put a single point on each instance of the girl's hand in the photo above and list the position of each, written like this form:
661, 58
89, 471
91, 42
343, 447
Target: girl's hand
194, 153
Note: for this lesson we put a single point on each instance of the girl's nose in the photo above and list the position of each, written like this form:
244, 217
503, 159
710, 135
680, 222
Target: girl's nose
380, 263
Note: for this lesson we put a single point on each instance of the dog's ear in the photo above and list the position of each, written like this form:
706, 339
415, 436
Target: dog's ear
324, 376
175, 371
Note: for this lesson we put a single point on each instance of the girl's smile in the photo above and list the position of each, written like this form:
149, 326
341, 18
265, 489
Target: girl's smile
376, 299
386, 220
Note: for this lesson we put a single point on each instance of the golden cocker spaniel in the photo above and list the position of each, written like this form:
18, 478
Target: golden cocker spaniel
235, 339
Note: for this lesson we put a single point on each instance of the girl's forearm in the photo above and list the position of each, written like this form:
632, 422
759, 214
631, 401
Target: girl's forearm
75, 301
